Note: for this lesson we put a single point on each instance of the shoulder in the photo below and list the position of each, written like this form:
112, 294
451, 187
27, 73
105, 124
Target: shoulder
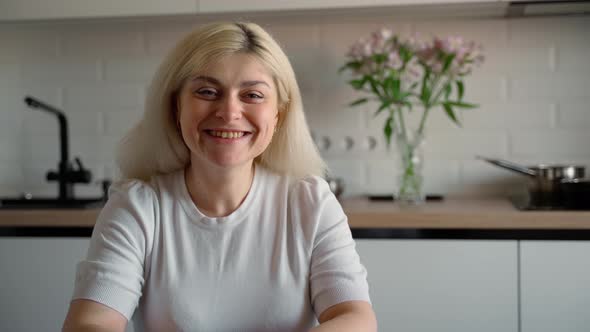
312, 194
313, 187
133, 199
132, 191
140, 191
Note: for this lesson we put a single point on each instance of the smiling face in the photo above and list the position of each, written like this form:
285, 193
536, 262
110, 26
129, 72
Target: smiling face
228, 112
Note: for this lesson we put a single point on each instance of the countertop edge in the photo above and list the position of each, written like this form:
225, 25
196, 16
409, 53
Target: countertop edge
357, 233
491, 214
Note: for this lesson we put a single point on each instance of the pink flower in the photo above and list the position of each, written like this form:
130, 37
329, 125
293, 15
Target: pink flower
394, 61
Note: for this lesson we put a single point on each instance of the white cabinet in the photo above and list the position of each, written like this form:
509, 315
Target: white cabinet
16, 10
442, 285
216, 6
555, 286
415, 285
53, 9
36, 281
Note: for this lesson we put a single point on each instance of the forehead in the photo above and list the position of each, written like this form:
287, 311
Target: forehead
236, 67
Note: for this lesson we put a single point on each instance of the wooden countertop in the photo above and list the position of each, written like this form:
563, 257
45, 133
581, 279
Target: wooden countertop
454, 213
491, 213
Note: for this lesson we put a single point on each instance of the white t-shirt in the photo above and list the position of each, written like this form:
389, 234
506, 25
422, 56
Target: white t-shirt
274, 264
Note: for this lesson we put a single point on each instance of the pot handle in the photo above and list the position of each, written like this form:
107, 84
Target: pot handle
510, 165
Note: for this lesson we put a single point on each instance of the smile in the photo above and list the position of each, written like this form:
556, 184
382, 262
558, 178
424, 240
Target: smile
227, 134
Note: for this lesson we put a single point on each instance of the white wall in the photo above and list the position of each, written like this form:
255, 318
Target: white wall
533, 89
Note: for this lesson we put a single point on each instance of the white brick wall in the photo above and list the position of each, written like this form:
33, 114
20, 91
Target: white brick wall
534, 92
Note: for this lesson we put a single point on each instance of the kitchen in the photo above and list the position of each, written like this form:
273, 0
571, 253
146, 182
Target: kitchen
533, 91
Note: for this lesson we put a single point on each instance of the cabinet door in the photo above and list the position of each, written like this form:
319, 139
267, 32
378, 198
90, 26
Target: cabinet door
442, 285
214, 6
36, 281
555, 286
53, 9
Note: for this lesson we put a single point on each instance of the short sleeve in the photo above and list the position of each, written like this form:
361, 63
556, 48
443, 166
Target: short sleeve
336, 272
113, 271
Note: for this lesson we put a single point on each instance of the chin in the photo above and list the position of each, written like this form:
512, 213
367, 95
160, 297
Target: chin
229, 161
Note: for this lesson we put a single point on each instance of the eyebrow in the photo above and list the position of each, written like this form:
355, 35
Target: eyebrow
217, 82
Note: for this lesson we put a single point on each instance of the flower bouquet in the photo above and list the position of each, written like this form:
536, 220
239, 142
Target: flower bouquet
403, 74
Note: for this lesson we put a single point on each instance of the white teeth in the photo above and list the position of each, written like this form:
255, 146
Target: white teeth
227, 134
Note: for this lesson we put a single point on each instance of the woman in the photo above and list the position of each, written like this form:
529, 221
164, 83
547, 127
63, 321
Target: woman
222, 222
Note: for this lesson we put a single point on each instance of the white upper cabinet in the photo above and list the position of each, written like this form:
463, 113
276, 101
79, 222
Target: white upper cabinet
22, 10
218, 6
13, 10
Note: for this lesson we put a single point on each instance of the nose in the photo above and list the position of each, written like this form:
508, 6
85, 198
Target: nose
229, 108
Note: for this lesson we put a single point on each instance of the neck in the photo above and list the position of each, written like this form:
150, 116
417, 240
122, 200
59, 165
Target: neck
217, 192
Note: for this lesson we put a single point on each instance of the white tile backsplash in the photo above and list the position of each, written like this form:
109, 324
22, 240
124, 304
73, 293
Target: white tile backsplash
24, 41
559, 145
533, 91
11, 178
62, 72
97, 40
574, 59
161, 36
102, 97
547, 88
131, 70
9, 151
118, 123
574, 115
511, 116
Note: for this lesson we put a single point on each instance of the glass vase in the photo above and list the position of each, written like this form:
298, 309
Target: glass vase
411, 161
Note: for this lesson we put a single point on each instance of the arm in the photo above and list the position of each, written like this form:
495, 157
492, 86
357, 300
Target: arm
109, 281
348, 316
90, 316
338, 280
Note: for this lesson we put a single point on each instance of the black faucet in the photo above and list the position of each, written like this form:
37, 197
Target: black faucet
66, 175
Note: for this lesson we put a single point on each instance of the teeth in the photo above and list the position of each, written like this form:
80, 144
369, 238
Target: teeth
227, 134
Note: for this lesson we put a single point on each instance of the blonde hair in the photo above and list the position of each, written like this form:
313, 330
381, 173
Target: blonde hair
155, 146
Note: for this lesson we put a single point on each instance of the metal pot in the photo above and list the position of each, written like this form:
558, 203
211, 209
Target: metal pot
576, 194
545, 181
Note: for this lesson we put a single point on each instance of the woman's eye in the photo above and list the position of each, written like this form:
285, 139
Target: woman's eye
206, 93
253, 95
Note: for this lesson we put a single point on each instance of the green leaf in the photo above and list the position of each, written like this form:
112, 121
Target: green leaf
358, 84
383, 106
447, 91
451, 113
461, 104
405, 54
354, 65
388, 83
460, 89
395, 88
379, 58
425, 91
425, 95
403, 96
359, 101
374, 85
388, 130
448, 60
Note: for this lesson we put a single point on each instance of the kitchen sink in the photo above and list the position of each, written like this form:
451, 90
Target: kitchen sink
50, 203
